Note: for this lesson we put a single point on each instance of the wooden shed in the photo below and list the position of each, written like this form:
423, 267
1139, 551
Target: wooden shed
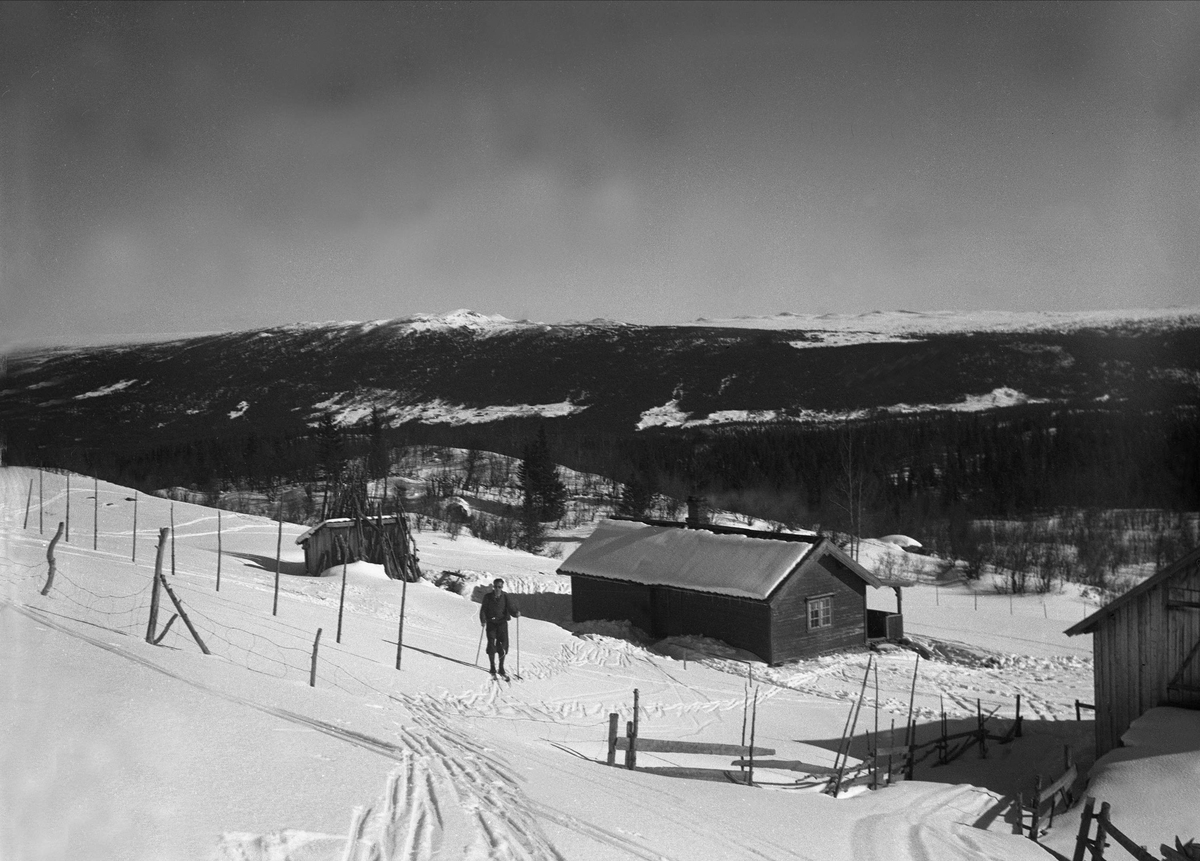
382, 539
1146, 645
777, 595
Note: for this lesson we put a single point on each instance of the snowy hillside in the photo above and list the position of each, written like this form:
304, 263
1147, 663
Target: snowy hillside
118, 749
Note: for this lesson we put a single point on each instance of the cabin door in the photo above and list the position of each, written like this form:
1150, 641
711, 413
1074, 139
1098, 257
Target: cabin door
1183, 638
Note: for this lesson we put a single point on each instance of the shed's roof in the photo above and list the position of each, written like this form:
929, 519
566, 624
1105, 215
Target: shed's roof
1089, 624
726, 564
345, 522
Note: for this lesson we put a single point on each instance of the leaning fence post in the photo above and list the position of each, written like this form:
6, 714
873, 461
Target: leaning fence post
28, 502
183, 615
312, 675
158, 563
50, 559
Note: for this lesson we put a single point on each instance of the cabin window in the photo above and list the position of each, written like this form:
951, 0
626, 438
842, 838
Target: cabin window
820, 612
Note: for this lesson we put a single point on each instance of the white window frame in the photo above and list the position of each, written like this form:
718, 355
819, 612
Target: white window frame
822, 605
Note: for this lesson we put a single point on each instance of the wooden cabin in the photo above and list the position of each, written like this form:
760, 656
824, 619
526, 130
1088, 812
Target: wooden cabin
382, 539
1147, 649
779, 596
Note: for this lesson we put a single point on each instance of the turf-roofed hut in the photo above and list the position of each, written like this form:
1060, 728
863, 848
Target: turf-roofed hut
382, 539
778, 595
1146, 645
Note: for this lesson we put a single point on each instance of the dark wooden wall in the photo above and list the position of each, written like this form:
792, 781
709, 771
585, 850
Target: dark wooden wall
790, 637
664, 611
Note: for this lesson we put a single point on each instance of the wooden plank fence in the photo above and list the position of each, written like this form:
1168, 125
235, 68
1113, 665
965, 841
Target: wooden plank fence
884, 765
632, 742
1058, 790
1088, 848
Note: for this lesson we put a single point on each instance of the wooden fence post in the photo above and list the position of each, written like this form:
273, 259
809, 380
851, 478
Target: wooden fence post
183, 615
1019, 727
158, 563
41, 502
1036, 809
753, 723
312, 675
172, 539
1101, 833
50, 559
133, 543
613, 718
95, 511
980, 729
28, 502
278, 556
403, 600
631, 745
218, 589
1085, 827
633, 740
67, 534
342, 599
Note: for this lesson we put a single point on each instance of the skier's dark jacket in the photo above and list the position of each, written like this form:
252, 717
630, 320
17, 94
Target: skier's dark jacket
497, 609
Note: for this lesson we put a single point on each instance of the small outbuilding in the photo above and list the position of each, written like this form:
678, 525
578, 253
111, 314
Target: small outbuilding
382, 539
1146, 645
778, 595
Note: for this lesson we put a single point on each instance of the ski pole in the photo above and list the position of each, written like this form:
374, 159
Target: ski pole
518, 647
480, 646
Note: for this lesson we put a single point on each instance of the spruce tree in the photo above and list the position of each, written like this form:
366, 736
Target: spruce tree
636, 498
545, 495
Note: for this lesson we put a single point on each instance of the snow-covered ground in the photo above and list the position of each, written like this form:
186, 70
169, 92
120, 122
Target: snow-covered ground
117, 749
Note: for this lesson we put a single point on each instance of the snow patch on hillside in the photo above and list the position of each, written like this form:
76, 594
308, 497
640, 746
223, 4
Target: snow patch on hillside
668, 415
239, 410
995, 399
350, 408
463, 318
105, 390
849, 339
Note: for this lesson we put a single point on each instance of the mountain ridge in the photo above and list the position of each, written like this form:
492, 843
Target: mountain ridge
466, 368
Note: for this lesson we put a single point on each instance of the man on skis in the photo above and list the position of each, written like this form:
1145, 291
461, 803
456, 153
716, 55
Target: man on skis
495, 610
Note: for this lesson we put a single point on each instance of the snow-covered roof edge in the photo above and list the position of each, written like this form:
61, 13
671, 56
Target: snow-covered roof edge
339, 522
1089, 624
730, 561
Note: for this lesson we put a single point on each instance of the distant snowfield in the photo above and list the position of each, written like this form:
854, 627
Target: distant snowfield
670, 414
877, 326
349, 408
116, 749
106, 390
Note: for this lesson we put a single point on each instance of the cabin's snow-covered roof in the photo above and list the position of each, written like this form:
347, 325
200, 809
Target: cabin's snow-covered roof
736, 565
342, 523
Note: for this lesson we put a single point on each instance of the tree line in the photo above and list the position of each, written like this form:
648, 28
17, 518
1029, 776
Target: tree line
917, 475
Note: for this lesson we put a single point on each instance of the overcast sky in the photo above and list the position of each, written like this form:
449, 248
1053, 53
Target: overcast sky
184, 167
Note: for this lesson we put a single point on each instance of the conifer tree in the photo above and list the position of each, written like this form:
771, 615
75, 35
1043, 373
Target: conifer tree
545, 495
